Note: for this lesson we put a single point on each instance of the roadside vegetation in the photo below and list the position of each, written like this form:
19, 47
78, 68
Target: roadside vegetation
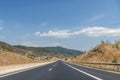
104, 52
8, 58
19, 54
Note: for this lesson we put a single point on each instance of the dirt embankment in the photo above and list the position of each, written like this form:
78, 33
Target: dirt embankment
9, 58
104, 52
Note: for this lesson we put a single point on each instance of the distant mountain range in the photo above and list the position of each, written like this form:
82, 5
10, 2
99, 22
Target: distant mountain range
51, 50
39, 51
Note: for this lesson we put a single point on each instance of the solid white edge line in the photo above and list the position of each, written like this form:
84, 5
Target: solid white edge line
8, 74
97, 78
98, 69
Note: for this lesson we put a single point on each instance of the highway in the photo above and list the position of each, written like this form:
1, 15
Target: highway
60, 70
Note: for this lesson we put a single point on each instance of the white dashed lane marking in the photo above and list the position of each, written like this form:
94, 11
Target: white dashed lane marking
50, 69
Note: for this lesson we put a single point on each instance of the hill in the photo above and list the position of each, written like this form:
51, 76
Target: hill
9, 48
33, 52
8, 58
51, 51
104, 52
8, 55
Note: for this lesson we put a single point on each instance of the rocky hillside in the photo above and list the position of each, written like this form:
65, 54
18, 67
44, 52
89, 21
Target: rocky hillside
104, 52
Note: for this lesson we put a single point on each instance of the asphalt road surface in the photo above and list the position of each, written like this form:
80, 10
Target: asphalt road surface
60, 70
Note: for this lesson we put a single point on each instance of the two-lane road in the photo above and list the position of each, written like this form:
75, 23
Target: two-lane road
60, 70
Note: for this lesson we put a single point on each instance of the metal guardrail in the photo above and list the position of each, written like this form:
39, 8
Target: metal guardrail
102, 63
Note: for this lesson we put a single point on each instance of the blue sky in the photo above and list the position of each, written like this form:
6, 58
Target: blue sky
75, 24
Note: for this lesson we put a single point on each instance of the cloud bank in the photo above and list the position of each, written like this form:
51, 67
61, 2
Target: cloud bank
89, 31
41, 43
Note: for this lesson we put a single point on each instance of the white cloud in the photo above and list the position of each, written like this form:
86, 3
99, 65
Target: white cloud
29, 44
58, 33
100, 31
89, 31
41, 44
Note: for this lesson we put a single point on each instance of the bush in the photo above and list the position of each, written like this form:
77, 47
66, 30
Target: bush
114, 60
117, 44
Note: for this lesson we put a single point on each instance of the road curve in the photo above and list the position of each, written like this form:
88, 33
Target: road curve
60, 70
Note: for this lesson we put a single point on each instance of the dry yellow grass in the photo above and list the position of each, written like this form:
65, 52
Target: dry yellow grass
8, 58
105, 52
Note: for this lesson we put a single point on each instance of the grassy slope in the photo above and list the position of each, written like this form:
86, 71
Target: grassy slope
8, 58
105, 52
